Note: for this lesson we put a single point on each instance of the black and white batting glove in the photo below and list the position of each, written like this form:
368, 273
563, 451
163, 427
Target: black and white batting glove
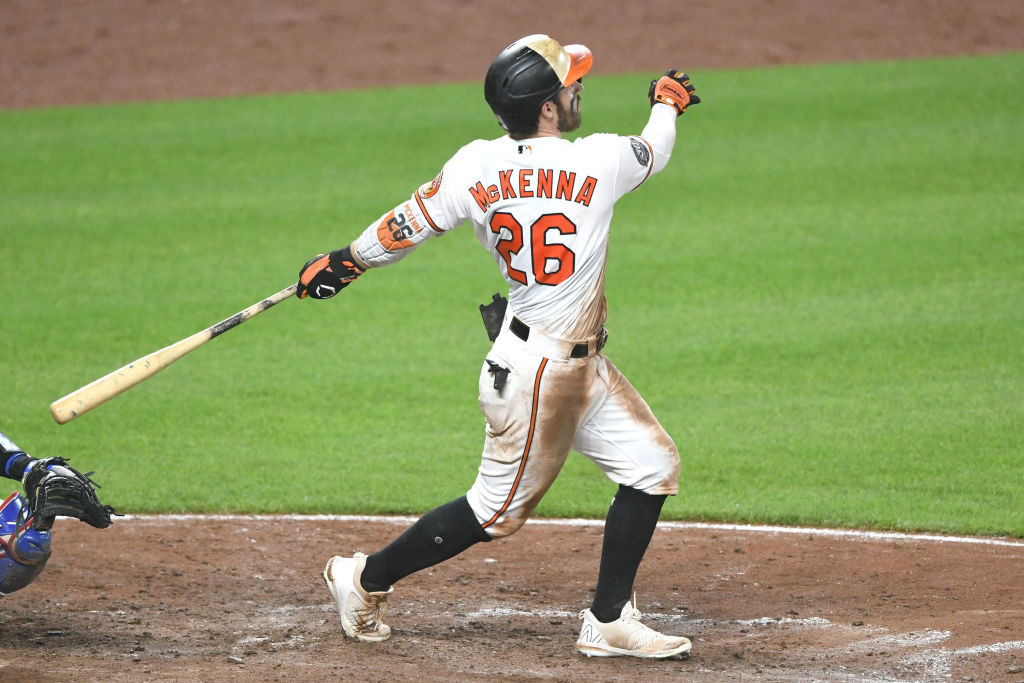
327, 274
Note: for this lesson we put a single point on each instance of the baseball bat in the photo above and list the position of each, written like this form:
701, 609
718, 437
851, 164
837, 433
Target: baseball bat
107, 387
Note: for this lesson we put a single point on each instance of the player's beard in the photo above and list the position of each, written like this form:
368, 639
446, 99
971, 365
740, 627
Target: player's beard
569, 118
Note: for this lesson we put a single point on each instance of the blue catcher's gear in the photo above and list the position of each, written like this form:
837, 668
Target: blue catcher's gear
23, 550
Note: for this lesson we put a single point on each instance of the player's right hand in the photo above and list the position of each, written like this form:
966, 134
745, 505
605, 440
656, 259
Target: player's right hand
325, 275
673, 89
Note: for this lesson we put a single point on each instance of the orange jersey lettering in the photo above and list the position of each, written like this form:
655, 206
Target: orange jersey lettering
542, 207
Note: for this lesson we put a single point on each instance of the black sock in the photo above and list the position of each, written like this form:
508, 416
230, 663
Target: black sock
628, 529
442, 533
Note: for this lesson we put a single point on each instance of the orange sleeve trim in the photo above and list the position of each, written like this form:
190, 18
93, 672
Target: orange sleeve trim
426, 214
526, 449
650, 167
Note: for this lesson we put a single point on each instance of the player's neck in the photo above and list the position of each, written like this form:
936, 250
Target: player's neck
547, 129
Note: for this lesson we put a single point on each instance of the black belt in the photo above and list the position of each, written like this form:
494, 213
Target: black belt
581, 350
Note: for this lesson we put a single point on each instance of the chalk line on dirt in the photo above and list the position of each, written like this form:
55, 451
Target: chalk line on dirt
853, 534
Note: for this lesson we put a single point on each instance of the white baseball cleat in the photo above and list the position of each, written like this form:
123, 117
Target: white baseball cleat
627, 637
360, 611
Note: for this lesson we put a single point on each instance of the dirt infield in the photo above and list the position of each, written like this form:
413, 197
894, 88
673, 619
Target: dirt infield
152, 598
163, 598
82, 51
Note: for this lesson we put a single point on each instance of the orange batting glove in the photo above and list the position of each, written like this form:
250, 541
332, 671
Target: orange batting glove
673, 89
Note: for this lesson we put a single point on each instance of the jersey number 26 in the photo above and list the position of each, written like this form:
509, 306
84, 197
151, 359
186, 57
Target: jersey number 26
541, 250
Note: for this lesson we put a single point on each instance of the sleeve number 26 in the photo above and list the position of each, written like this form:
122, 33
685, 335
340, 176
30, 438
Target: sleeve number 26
543, 252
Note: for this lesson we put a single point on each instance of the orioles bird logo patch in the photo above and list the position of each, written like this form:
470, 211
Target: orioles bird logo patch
430, 189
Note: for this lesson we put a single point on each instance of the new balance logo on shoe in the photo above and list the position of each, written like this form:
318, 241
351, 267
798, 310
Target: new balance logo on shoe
589, 634
627, 637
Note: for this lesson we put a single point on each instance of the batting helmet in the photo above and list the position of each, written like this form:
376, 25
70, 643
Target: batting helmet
528, 73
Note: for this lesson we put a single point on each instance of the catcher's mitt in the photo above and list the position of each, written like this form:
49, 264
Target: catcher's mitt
53, 487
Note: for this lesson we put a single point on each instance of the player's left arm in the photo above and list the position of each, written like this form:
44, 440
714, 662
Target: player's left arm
387, 240
402, 230
430, 212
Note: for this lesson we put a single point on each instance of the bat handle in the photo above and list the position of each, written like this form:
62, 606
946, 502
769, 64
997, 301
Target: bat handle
240, 317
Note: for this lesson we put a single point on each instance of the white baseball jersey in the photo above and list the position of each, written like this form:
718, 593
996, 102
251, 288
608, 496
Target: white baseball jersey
542, 207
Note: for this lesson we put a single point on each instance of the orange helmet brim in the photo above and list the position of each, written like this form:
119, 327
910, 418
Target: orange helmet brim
581, 60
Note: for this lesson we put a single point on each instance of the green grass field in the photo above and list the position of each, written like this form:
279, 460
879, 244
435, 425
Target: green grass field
822, 298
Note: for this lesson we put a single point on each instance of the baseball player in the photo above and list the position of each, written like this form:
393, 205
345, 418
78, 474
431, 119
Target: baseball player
52, 487
542, 206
